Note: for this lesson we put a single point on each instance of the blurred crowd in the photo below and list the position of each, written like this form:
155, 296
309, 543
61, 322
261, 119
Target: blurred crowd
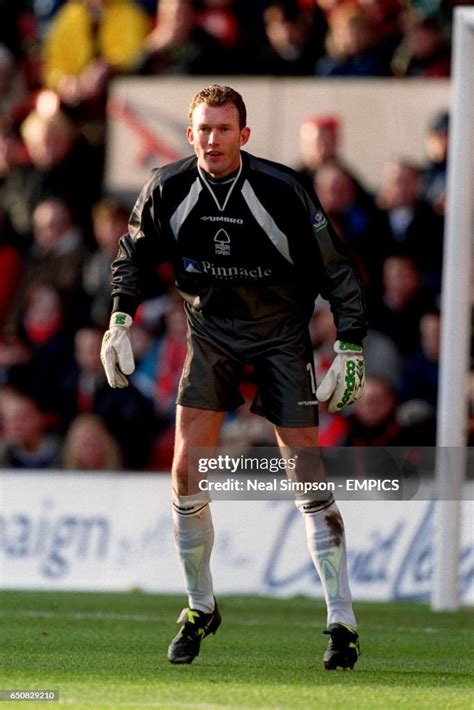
59, 230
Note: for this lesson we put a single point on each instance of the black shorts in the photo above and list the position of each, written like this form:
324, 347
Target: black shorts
278, 347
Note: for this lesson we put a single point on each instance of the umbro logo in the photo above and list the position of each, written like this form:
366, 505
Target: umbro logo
221, 218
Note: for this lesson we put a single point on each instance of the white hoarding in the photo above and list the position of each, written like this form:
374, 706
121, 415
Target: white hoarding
113, 532
379, 119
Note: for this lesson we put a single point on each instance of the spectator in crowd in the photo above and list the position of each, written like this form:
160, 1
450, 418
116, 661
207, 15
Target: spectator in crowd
127, 413
89, 446
13, 90
80, 384
419, 380
109, 222
404, 301
14, 354
55, 259
171, 357
424, 51
18, 34
387, 17
25, 441
179, 45
433, 182
47, 336
332, 428
355, 218
60, 162
292, 46
7, 149
12, 153
373, 420
89, 40
351, 48
382, 361
146, 344
220, 19
319, 142
58, 251
243, 429
411, 225
378, 420
11, 268
10, 14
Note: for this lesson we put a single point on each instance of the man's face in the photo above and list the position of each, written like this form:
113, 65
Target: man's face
317, 144
22, 422
87, 350
216, 136
377, 404
399, 185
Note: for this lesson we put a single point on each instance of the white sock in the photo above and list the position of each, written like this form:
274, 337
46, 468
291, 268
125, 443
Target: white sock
327, 546
194, 537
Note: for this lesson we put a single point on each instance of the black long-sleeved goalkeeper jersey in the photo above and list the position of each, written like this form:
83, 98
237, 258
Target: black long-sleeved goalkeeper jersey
268, 242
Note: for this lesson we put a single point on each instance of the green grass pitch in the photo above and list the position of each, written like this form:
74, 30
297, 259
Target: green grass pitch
109, 651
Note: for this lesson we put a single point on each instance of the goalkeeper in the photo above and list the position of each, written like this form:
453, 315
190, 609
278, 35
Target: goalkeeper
251, 250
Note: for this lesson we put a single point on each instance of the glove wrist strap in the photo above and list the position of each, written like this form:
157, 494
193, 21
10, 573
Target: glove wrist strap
342, 347
121, 319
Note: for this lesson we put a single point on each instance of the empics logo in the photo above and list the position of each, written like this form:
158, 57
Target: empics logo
191, 266
222, 243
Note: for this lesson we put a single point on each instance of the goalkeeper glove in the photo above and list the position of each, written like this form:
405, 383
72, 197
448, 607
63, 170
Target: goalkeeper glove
344, 382
116, 352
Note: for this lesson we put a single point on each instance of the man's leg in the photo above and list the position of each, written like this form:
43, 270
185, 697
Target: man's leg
326, 543
193, 532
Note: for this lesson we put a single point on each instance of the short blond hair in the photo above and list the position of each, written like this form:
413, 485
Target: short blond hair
219, 95
113, 459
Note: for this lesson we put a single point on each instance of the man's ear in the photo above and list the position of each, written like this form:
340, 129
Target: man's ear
244, 135
190, 135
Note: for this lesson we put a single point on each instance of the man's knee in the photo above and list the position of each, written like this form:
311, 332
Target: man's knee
195, 428
299, 437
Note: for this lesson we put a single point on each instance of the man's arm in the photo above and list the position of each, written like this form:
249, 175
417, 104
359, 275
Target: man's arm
139, 251
340, 284
132, 271
323, 263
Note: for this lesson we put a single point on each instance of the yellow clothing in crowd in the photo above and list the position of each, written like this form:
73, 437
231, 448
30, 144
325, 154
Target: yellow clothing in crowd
71, 43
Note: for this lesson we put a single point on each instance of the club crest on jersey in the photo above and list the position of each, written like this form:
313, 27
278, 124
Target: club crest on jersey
320, 221
222, 243
191, 266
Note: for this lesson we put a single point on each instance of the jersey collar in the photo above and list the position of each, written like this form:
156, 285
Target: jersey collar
209, 186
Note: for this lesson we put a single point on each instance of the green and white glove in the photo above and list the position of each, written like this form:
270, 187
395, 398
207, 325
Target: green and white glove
116, 352
344, 382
